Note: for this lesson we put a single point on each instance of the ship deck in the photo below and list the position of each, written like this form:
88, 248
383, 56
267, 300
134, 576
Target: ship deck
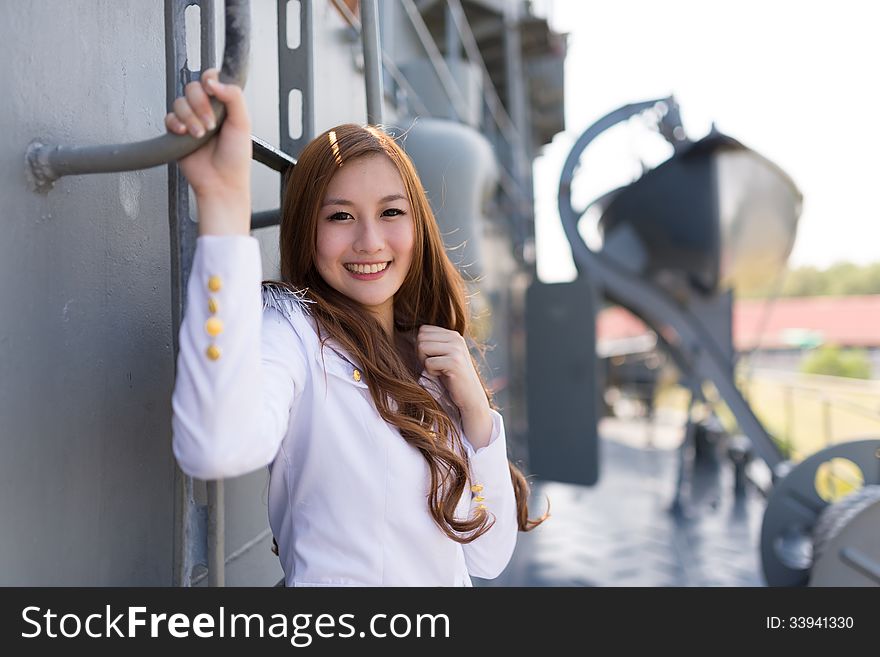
629, 530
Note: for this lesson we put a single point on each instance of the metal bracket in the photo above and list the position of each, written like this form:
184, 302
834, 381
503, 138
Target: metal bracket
295, 71
190, 532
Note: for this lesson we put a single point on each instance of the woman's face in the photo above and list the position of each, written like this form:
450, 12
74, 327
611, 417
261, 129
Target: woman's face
365, 234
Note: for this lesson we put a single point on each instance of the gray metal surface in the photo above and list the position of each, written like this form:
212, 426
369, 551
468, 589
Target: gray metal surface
562, 382
459, 173
92, 282
86, 472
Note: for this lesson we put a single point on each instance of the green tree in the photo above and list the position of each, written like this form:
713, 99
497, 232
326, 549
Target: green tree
831, 360
805, 282
841, 279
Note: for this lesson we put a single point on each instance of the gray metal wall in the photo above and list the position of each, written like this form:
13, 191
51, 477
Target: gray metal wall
86, 362
86, 342
85, 311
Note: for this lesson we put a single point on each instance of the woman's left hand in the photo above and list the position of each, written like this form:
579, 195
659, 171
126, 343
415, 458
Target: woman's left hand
444, 353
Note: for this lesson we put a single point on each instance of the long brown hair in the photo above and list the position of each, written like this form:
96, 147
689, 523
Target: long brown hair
433, 292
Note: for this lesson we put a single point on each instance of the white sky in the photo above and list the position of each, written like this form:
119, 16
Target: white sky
799, 82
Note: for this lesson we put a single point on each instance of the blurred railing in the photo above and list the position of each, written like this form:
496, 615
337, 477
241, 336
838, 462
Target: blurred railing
810, 404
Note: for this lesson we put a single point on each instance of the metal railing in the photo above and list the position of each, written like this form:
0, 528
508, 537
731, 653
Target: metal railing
512, 185
46, 163
830, 392
395, 73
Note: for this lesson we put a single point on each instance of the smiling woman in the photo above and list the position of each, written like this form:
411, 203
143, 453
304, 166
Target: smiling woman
355, 384
365, 235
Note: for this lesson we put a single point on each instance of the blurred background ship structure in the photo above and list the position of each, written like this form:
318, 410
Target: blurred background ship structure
650, 485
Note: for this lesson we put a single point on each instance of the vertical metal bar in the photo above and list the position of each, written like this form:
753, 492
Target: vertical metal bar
453, 38
208, 34
390, 66
372, 61
516, 101
826, 418
458, 107
788, 393
295, 72
683, 479
183, 234
216, 534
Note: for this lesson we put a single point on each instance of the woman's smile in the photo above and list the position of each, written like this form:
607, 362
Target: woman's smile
367, 271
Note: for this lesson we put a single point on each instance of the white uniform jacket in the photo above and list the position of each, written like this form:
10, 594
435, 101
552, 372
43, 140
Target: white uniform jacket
347, 494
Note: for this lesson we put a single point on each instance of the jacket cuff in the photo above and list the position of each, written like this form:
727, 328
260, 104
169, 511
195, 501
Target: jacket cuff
490, 450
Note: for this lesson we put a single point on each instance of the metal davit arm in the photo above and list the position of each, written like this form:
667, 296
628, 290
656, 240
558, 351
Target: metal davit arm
697, 343
46, 163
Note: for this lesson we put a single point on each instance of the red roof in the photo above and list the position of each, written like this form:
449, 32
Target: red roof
779, 324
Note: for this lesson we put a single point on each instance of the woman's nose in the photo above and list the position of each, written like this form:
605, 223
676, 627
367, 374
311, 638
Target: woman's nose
369, 237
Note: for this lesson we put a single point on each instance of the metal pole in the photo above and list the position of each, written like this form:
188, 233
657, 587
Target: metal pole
496, 108
447, 80
453, 38
826, 418
372, 61
389, 64
216, 534
789, 413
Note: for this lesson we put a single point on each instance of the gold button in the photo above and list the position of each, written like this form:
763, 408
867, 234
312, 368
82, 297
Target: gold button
214, 283
356, 375
476, 488
213, 352
214, 326
481, 507
479, 498
213, 306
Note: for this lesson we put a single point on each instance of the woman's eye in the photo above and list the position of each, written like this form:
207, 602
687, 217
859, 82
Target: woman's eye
339, 216
393, 212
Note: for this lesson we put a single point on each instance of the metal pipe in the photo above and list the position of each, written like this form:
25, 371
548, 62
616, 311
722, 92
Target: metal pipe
46, 163
459, 105
490, 94
240, 552
453, 38
372, 62
387, 62
266, 218
216, 534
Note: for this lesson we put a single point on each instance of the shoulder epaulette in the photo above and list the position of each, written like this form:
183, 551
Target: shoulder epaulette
286, 300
